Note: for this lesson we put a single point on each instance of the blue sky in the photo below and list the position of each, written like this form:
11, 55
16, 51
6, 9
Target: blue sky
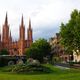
46, 15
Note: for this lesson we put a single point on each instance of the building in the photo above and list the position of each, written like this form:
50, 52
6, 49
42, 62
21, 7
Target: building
15, 47
76, 56
57, 49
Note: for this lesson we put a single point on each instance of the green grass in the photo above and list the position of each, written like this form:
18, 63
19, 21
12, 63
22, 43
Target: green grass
57, 74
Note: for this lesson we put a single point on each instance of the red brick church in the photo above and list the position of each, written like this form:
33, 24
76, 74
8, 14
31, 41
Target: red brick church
15, 47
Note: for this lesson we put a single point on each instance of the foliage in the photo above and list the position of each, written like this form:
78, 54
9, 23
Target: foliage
70, 33
27, 68
4, 52
58, 74
39, 49
7, 68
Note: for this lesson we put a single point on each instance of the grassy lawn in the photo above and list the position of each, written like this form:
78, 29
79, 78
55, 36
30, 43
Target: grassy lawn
57, 74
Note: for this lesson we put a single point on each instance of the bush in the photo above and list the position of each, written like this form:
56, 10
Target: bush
29, 68
8, 68
4, 52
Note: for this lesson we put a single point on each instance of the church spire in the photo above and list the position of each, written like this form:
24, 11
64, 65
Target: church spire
29, 23
29, 35
22, 21
5, 34
22, 29
6, 19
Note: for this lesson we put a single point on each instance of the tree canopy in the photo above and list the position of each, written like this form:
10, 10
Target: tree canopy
70, 32
39, 49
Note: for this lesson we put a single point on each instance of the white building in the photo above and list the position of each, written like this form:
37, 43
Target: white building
76, 56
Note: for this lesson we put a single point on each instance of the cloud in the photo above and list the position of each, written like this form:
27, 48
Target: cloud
53, 13
46, 15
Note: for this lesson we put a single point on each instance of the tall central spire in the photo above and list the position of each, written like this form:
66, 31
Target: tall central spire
6, 19
22, 29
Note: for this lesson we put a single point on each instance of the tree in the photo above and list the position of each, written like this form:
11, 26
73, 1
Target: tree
70, 32
4, 52
39, 49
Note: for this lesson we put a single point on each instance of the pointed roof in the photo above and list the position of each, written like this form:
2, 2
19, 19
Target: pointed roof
29, 23
22, 21
6, 19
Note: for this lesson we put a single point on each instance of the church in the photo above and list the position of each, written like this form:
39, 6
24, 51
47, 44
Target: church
15, 47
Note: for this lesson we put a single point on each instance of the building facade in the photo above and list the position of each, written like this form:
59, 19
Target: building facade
15, 47
57, 49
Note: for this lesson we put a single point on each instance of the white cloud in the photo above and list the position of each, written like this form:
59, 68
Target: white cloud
46, 15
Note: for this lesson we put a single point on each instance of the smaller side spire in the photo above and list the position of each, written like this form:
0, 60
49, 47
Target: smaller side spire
29, 23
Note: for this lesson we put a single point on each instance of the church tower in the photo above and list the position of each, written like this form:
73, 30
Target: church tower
22, 30
5, 34
15, 47
29, 33
22, 37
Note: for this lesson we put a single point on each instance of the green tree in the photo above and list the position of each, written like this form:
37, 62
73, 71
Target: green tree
70, 32
4, 52
39, 49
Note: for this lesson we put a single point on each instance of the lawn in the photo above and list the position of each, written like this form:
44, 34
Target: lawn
57, 74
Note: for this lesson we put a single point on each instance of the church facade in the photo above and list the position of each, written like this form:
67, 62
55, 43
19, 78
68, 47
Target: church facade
16, 47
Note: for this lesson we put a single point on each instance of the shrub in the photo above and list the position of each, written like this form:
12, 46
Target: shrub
29, 68
8, 68
4, 52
